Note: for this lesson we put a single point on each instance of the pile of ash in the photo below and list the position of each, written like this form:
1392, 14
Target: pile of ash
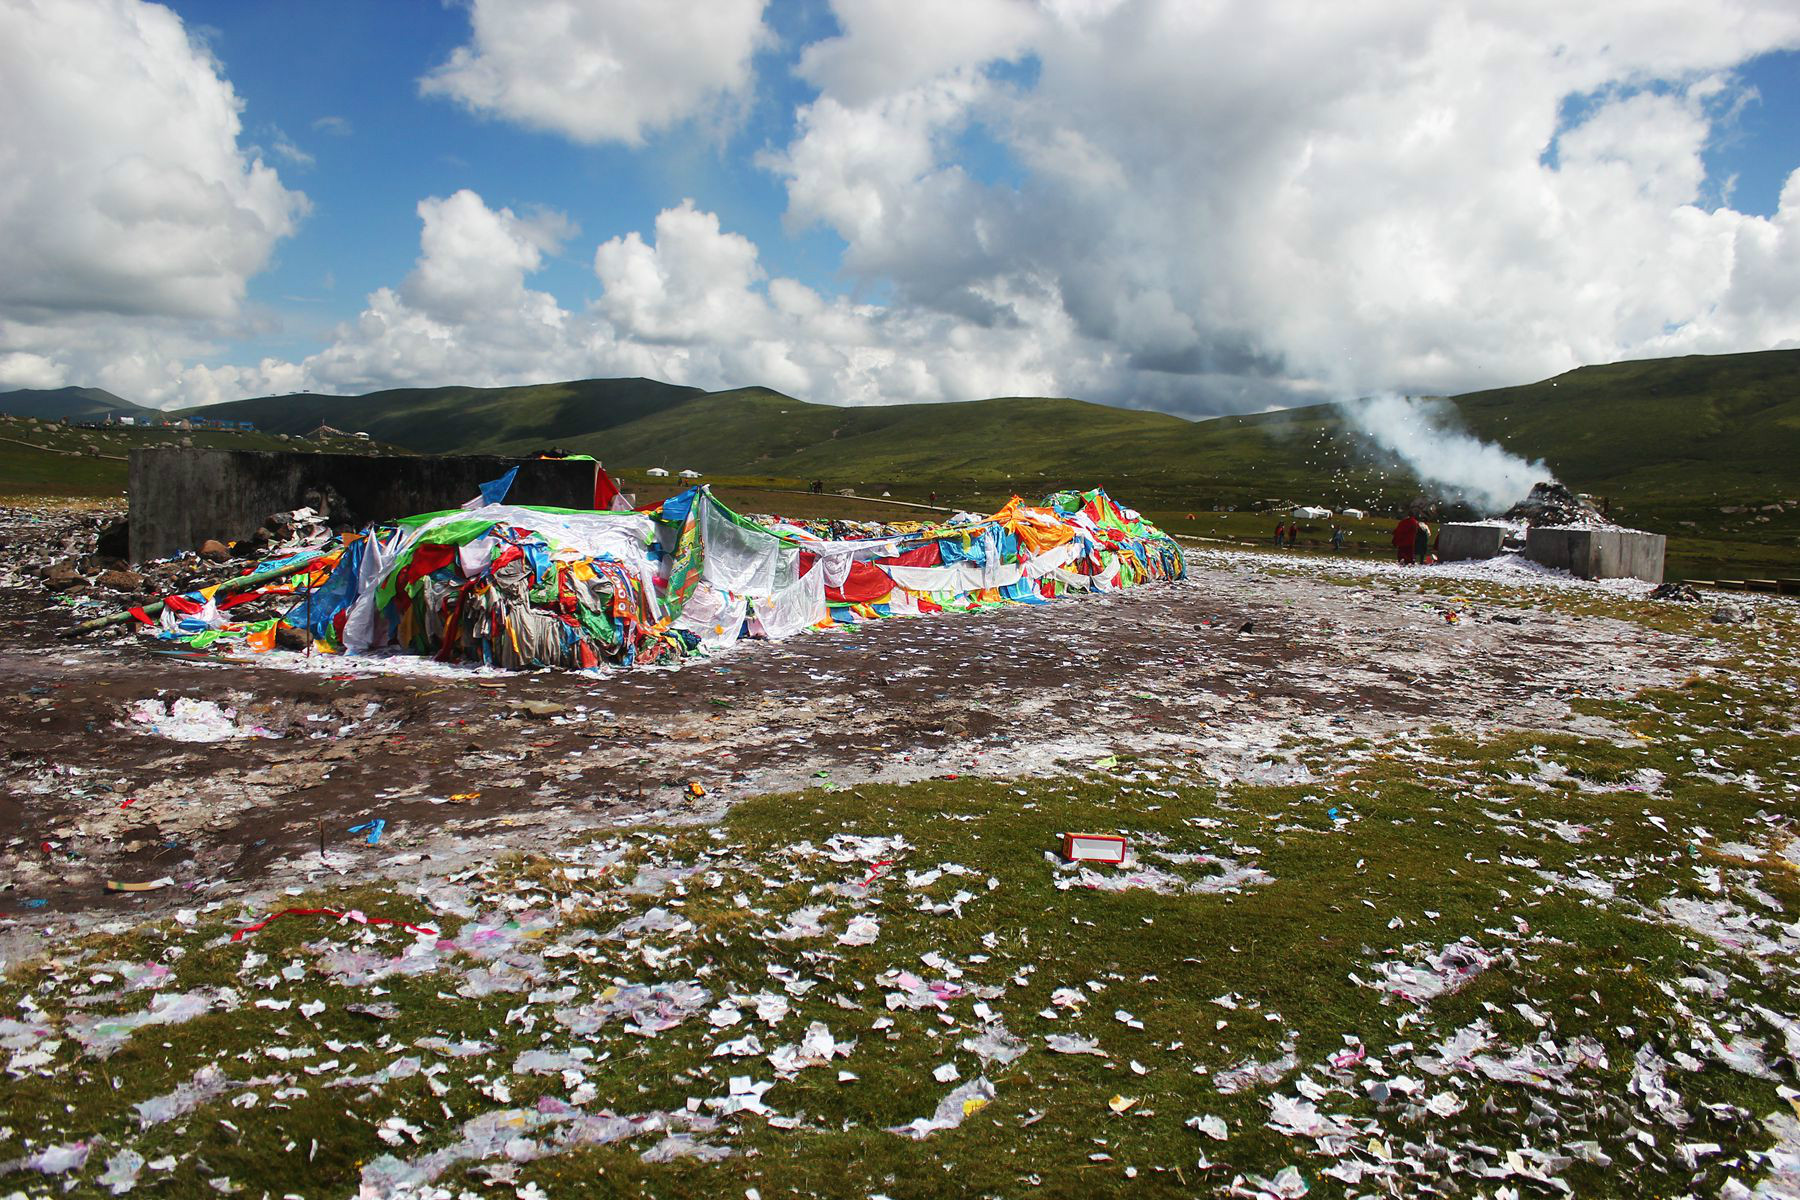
1550, 503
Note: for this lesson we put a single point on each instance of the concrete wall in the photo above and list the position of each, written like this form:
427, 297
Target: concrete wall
1456, 542
1598, 553
182, 497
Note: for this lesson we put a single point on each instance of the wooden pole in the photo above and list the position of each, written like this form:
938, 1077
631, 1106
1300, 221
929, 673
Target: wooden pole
227, 588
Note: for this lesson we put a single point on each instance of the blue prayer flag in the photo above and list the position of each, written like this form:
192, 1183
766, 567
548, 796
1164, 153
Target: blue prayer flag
494, 490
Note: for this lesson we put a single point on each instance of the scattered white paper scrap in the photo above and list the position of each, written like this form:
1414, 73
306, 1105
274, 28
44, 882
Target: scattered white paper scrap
1213, 1127
951, 1111
861, 931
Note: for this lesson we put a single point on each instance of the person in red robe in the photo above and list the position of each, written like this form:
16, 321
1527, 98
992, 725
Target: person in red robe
1405, 534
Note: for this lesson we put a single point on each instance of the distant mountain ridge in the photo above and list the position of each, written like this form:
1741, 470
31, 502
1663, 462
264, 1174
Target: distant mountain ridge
449, 419
75, 403
1668, 434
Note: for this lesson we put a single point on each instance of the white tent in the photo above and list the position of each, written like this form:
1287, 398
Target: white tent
1355, 514
690, 474
1307, 512
658, 472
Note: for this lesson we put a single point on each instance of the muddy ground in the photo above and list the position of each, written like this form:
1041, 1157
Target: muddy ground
460, 763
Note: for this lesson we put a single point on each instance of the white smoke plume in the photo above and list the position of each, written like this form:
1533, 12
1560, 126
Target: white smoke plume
1423, 434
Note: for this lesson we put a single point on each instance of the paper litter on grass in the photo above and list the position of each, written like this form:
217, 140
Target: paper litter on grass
952, 1110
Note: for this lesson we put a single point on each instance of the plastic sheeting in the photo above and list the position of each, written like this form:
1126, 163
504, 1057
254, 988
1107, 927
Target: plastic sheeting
964, 576
518, 586
738, 559
620, 536
714, 617
800, 605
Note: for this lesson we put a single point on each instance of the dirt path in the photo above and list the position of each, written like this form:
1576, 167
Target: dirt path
456, 767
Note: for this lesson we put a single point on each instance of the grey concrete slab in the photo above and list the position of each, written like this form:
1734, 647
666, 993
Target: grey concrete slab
182, 497
1602, 553
1456, 542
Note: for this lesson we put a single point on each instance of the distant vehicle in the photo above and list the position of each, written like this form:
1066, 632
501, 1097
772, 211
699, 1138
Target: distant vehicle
657, 472
690, 474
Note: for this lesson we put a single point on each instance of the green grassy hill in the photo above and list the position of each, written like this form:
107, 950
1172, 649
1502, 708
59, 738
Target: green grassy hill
76, 403
449, 419
1672, 439
757, 431
1704, 447
1668, 433
42, 458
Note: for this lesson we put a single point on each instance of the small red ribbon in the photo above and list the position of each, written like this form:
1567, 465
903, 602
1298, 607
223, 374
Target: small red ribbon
326, 912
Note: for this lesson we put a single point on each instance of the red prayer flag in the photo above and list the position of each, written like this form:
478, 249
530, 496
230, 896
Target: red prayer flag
605, 490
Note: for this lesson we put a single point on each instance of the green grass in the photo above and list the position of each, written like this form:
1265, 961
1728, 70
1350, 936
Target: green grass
75, 402
1672, 442
43, 458
1437, 837
1699, 448
464, 419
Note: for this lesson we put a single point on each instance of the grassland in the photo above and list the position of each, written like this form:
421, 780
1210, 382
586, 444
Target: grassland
1617, 1024
1702, 449
1657, 435
42, 458
75, 403
464, 419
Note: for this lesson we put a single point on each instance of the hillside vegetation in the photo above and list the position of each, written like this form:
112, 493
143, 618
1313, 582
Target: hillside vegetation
757, 431
1703, 447
1725, 426
41, 458
449, 419
1670, 437
76, 403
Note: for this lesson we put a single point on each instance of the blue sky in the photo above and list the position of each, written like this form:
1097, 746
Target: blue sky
868, 201
1762, 145
298, 65
350, 61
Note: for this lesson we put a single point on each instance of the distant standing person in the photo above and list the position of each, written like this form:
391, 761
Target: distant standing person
1406, 535
1293, 534
1337, 539
1280, 533
934, 499
1422, 544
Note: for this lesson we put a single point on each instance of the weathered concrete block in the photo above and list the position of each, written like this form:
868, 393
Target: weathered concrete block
1598, 553
1456, 542
180, 498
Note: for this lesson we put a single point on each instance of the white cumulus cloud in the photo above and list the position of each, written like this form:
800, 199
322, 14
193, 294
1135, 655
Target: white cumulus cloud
602, 70
126, 189
132, 218
1197, 207
1242, 199
691, 302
